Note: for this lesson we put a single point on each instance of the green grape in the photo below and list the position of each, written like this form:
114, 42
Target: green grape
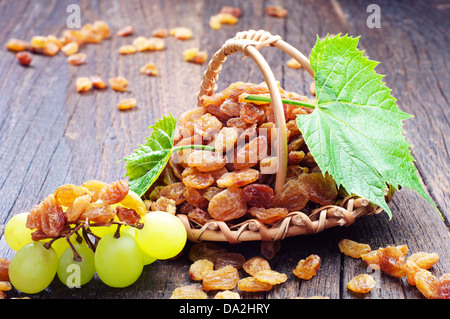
33, 268
17, 235
118, 261
163, 235
76, 273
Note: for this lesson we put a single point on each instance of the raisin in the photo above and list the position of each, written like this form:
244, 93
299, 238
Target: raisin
127, 104
125, 31
269, 215
35, 216
231, 10
83, 84
238, 178
160, 33
174, 191
205, 250
66, 194
233, 259
195, 198
228, 204
291, 196
259, 195
4, 269
101, 28
98, 82
78, 206
255, 265
390, 260
24, 58
210, 192
226, 139
164, 204
127, 49
127, 215
226, 294
221, 279
237, 122
53, 220
181, 33
77, 58
114, 192
352, 248
251, 284
199, 216
252, 114
276, 11
411, 269
98, 212
319, 188
270, 276
427, 284
307, 268
119, 84
149, 69
361, 283
16, 45
198, 180
200, 268
295, 157
207, 125
95, 187
194, 55
205, 161
444, 286
251, 153
189, 292
141, 44
424, 260
231, 108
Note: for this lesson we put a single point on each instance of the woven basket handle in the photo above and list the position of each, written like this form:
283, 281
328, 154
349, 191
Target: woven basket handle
248, 43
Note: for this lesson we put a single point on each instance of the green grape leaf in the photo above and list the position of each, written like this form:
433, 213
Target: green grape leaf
146, 163
355, 132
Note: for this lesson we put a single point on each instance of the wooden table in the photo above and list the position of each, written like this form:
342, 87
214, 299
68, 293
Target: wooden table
52, 135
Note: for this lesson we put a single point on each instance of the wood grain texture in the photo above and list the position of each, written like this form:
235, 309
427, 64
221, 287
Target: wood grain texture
51, 135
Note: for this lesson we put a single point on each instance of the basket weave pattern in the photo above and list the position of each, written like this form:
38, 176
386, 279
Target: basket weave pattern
343, 213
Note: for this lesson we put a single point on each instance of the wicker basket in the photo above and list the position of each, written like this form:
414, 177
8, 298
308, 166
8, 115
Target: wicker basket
343, 213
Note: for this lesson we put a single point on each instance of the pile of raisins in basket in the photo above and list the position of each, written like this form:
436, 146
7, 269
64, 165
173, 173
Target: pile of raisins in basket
236, 181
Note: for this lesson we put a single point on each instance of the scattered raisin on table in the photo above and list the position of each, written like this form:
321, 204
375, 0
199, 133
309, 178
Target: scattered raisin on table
24, 58
307, 268
224, 278
361, 283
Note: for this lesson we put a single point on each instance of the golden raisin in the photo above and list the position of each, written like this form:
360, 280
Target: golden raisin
233, 259
268, 215
127, 49
127, 104
352, 248
119, 83
270, 276
200, 268
115, 192
226, 294
255, 265
424, 260
149, 69
238, 178
221, 279
70, 48
228, 204
4, 268
77, 58
206, 250
189, 292
251, 284
83, 84
160, 33
181, 33
125, 31
66, 194
319, 188
78, 206
259, 195
16, 45
291, 196
205, 161
98, 82
276, 11
361, 283
98, 212
427, 284
390, 260
307, 268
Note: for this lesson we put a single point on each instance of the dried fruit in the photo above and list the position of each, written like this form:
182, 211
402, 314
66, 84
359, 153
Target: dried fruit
181, 33
319, 188
270, 276
125, 31
160, 33
276, 11
156, 44
207, 125
221, 279
238, 178
127, 215
252, 114
424, 260
206, 250
352, 248
149, 69
361, 283
194, 55
174, 191
199, 216
198, 180
114, 192
119, 83
255, 265
24, 58
195, 198
269, 215
52, 220
226, 294
77, 208
390, 260
233, 259
95, 187
251, 284
411, 269
205, 161
235, 11
259, 195
189, 292
200, 268
127, 104
427, 284
98, 82
66, 194
98, 212
4, 267
77, 58
70, 48
291, 196
251, 153
83, 84
127, 49
307, 268
16, 45
101, 28
228, 204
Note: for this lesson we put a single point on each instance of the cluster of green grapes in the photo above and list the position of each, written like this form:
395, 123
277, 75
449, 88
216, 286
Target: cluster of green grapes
118, 262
